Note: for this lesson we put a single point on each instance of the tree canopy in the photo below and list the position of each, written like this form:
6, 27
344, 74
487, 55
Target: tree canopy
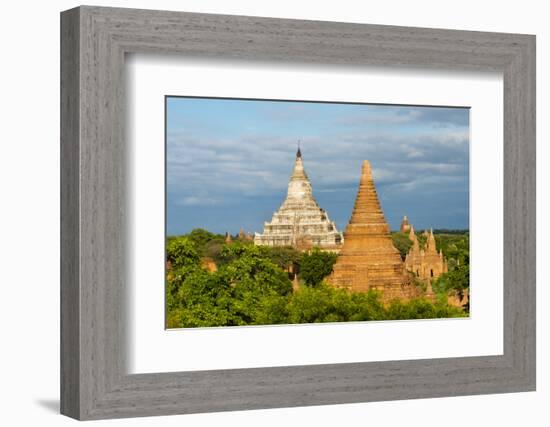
315, 266
251, 286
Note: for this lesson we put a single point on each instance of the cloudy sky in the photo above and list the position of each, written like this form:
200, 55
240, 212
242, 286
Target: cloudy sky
229, 161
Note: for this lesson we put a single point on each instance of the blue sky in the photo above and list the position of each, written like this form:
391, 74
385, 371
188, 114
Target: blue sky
228, 161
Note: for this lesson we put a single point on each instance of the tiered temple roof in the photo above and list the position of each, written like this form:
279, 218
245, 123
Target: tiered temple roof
368, 258
300, 222
426, 263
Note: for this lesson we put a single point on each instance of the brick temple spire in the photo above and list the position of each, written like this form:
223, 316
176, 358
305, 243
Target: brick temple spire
367, 210
430, 244
368, 259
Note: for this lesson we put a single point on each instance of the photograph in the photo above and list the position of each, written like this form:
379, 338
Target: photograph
293, 212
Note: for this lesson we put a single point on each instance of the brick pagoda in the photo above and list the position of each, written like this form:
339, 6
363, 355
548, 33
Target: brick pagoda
368, 258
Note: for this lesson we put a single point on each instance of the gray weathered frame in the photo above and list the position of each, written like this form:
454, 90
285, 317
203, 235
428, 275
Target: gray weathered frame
94, 41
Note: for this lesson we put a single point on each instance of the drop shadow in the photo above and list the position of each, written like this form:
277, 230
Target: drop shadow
51, 405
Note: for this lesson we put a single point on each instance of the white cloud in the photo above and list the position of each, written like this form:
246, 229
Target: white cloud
198, 201
254, 164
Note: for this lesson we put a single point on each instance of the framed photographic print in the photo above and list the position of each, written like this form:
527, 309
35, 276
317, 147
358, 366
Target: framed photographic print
261, 213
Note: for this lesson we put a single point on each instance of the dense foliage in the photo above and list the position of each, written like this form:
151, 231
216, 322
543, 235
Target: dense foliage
315, 266
402, 242
252, 286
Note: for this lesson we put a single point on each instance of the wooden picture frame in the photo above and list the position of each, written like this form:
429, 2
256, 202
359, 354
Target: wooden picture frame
94, 41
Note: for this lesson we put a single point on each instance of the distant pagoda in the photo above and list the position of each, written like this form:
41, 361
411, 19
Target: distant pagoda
405, 225
427, 263
368, 258
300, 222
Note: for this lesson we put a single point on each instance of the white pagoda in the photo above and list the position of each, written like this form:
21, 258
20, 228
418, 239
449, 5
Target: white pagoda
300, 222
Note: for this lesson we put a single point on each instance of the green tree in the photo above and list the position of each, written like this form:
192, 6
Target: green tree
402, 242
455, 281
213, 249
283, 256
310, 305
315, 266
206, 300
247, 289
325, 303
455, 247
260, 288
181, 252
421, 308
368, 306
202, 238
273, 310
